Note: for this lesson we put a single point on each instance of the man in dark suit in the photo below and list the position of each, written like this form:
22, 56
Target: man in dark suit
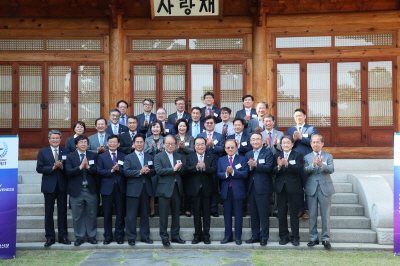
257, 124
260, 161
122, 106
232, 171
115, 128
147, 117
201, 167
50, 163
180, 112
169, 129
112, 189
247, 113
241, 137
302, 134
138, 169
210, 109
126, 140
82, 189
98, 141
288, 165
168, 165
195, 126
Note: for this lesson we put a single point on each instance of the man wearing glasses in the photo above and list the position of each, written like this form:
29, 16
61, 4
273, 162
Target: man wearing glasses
145, 118
180, 112
115, 128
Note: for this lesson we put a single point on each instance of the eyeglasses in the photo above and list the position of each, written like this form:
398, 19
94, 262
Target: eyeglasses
147, 104
209, 123
169, 144
115, 115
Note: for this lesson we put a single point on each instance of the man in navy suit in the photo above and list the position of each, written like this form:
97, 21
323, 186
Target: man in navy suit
122, 106
241, 137
115, 128
50, 163
138, 169
195, 125
259, 188
180, 112
232, 170
98, 141
83, 190
210, 109
126, 140
112, 190
169, 129
147, 117
302, 134
247, 113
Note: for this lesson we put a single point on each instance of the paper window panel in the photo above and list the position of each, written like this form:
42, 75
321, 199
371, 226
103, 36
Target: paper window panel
159, 44
216, 44
231, 84
73, 45
144, 86
88, 94
30, 96
21, 45
303, 42
173, 80
364, 40
202, 76
6, 96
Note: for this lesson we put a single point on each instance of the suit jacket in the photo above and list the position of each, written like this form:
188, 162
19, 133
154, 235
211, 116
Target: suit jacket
253, 124
303, 146
75, 176
244, 142
219, 144
120, 120
196, 179
291, 175
172, 117
189, 146
319, 175
202, 128
242, 113
220, 126
275, 135
70, 144
135, 180
121, 129
94, 142
169, 129
104, 165
167, 175
44, 166
153, 151
141, 118
261, 176
238, 179
126, 143
216, 113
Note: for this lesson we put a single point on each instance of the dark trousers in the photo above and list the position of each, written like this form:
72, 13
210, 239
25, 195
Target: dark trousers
49, 201
117, 199
291, 200
215, 197
259, 213
303, 201
236, 205
134, 205
165, 204
201, 207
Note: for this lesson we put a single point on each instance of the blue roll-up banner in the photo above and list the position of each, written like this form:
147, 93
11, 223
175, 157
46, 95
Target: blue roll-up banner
396, 203
8, 195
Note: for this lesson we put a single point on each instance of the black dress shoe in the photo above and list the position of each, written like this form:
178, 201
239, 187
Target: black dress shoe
79, 242
214, 214
238, 242
207, 241
131, 242
295, 242
147, 241
196, 240
284, 241
263, 242
49, 242
166, 242
120, 241
64, 241
326, 244
92, 240
252, 240
226, 240
178, 240
107, 241
152, 215
313, 243
188, 214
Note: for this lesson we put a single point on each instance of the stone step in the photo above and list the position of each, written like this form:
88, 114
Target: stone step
337, 222
217, 234
343, 198
29, 189
29, 177
343, 187
339, 176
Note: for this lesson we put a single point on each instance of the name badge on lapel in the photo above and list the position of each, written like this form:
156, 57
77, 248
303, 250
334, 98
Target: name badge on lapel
215, 141
261, 161
91, 161
243, 143
150, 163
64, 157
305, 135
253, 116
292, 161
238, 166
120, 162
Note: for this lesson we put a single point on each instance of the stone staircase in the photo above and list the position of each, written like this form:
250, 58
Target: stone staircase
348, 221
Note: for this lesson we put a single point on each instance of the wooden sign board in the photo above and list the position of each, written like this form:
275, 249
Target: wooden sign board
186, 9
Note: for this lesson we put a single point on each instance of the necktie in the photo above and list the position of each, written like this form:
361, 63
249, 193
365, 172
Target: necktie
230, 164
256, 155
179, 116
141, 159
101, 140
55, 155
201, 163
115, 130
248, 112
209, 136
114, 158
132, 135
238, 140
209, 110
270, 139
197, 130
84, 170
122, 120
300, 129
286, 156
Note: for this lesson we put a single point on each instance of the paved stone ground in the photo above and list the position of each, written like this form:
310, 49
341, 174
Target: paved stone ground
166, 258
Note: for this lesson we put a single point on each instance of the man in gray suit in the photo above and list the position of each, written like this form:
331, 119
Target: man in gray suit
168, 165
98, 141
318, 165
271, 136
257, 124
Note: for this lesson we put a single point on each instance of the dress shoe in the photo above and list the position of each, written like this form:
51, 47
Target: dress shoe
188, 214
196, 240
305, 215
152, 215
131, 242
107, 241
49, 242
92, 240
214, 214
326, 244
147, 241
295, 242
207, 241
300, 214
178, 240
166, 242
284, 241
313, 243
79, 242
238, 242
64, 241
252, 240
226, 240
120, 241
263, 242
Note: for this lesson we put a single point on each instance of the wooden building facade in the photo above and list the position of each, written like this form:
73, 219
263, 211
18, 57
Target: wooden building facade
69, 60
